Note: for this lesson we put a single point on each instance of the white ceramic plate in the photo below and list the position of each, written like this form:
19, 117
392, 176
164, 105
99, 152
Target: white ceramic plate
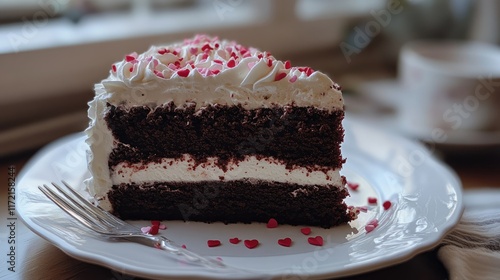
425, 196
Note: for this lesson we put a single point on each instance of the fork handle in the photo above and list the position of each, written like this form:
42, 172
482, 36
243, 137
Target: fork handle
169, 246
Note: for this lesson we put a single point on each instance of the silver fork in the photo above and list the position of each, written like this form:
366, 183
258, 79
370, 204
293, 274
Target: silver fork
103, 222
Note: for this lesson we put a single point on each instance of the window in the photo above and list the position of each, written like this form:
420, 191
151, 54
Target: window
53, 51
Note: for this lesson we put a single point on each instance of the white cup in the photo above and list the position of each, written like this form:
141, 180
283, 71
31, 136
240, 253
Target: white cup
449, 89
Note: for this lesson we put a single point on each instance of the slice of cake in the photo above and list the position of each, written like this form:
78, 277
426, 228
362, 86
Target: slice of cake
209, 130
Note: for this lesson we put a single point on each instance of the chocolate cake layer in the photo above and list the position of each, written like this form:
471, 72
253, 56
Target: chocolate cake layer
303, 136
232, 201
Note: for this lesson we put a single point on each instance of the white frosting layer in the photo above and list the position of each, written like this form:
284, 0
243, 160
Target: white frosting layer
201, 71
186, 170
207, 71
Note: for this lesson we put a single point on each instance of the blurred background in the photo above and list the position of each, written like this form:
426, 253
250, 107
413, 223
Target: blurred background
52, 52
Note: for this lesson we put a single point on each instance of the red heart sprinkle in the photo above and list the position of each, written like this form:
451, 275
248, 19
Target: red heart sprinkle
279, 76
231, 63
286, 242
370, 228
154, 229
272, 223
372, 200
155, 222
129, 57
235, 240
288, 65
353, 186
213, 243
387, 204
206, 47
306, 230
250, 244
183, 246
373, 222
316, 241
183, 72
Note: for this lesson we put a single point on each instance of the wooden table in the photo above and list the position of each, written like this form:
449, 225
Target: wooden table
38, 259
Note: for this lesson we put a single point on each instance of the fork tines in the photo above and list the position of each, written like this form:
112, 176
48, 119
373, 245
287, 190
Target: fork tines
79, 208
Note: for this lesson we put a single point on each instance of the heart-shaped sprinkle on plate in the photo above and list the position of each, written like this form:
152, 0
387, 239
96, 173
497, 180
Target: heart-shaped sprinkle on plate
387, 204
370, 228
353, 186
286, 242
373, 222
306, 230
316, 241
213, 243
372, 200
235, 240
252, 243
154, 229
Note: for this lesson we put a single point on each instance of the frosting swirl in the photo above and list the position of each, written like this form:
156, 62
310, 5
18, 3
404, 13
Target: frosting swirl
206, 70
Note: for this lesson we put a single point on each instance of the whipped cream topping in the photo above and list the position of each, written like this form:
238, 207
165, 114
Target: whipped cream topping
206, 70
204, 56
